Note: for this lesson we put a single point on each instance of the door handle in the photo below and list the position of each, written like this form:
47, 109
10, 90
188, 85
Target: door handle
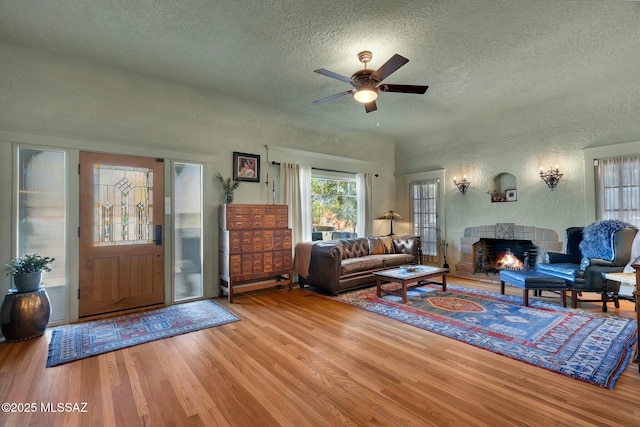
157, 235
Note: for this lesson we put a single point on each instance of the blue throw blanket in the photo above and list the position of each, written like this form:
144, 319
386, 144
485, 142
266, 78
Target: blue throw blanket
597, 238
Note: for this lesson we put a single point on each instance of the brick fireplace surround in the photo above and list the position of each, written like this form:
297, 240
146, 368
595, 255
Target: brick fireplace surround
546, 239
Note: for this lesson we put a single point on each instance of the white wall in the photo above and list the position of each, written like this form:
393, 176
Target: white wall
71, 103
519, 142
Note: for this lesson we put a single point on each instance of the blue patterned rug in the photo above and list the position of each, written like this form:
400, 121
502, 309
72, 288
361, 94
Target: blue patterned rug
80, 340
592, 347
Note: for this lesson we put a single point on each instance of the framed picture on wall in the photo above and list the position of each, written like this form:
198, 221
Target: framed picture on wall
511, 195
246, 167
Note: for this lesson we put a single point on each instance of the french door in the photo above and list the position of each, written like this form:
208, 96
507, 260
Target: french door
121, 233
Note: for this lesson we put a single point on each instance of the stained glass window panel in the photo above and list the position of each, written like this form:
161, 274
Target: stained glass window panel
123, 205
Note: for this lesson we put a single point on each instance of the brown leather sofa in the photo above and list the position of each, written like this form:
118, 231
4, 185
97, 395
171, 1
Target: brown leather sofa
340, 265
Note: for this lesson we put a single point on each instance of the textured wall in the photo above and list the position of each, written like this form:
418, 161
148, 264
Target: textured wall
520, 141
71, 103
51, 95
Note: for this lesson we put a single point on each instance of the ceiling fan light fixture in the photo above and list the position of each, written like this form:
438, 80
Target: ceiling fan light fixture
366, 94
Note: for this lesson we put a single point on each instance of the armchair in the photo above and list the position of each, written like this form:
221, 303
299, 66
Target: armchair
601, 247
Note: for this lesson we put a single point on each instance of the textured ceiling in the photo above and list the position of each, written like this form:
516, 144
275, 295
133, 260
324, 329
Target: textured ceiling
479, 57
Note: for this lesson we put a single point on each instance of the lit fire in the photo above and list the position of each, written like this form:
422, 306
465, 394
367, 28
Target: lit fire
509, 262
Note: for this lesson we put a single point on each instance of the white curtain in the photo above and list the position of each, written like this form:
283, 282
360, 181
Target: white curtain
305, 203
295, 190
618, 195
618, 189
364, 185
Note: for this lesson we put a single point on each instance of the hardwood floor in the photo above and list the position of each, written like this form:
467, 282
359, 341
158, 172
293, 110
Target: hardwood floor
299, 359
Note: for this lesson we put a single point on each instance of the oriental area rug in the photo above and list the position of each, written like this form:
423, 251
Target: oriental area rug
592, 347
80, 340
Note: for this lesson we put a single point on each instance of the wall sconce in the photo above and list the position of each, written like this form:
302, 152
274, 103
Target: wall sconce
463, 184
551, 177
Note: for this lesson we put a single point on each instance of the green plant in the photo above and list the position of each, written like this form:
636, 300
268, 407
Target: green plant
30, 263
227, 184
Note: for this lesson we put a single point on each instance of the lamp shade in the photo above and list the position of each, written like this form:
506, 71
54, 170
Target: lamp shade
391, 215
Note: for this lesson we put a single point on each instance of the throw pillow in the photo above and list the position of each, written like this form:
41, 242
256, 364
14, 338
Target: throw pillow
388, 244
375, 246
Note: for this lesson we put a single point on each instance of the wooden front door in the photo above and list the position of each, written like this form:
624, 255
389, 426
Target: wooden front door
121, 233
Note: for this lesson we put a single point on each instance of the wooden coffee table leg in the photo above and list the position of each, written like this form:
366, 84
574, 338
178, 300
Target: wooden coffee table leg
404, 292
379, 287
444, 282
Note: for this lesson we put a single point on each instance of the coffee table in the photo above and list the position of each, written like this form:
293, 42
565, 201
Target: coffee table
414, 275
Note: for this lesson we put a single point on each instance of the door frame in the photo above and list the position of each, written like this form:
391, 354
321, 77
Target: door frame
125, 256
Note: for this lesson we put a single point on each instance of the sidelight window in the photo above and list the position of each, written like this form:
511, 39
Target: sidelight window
42, 218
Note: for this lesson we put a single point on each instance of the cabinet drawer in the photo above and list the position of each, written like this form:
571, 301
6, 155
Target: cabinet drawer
235, 265
286, 239
287, 260
282, 221
281, 238
267, 240
238, 225
257, 263
247, 263
269, 221
268, 261
235, 242
251, 241
237, 210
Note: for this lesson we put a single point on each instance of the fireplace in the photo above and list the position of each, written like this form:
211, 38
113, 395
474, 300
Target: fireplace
492, 255
543, 239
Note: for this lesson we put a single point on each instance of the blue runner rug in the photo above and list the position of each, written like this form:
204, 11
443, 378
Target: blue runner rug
592, 347
80, 340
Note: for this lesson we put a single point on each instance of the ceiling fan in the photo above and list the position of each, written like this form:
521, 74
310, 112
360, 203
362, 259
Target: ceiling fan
366, 82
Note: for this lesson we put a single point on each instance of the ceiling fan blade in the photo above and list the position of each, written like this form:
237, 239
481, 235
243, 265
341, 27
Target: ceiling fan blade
333, 75
332, 97
370, 106
403, 88
389, 67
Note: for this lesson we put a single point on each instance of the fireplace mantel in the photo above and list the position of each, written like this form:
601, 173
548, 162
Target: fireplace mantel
546, 239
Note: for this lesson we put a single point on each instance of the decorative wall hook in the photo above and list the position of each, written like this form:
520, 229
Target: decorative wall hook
551, 177
463, 184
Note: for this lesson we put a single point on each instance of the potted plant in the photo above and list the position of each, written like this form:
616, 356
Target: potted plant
27, 271
228, 186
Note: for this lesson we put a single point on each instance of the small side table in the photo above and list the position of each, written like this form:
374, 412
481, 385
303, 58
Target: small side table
24, 315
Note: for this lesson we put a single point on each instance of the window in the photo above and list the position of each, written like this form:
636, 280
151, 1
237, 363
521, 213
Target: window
618, 189
187, 228
424, 216
42, 217
334, 205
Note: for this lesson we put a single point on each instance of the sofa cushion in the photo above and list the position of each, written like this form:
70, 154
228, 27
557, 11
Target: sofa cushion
364, 263
405, 245
353, 248
393, 260
566, 271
